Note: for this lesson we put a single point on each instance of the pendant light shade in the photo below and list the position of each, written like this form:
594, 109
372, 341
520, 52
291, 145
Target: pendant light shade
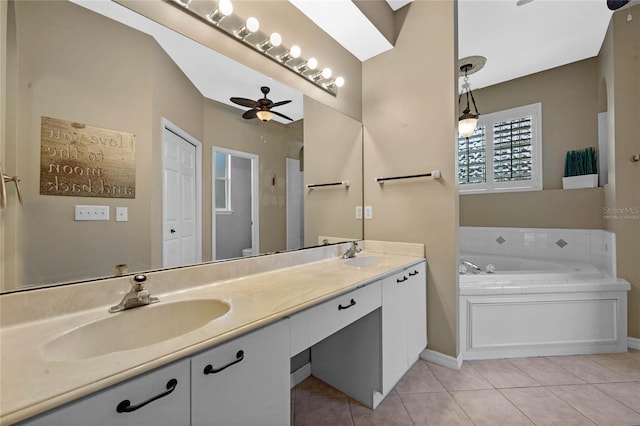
468, 121
467, 124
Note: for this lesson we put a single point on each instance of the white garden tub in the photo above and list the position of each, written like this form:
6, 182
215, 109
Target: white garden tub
533, 307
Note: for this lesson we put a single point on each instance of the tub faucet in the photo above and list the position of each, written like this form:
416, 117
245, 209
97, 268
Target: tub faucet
474, 268
137, 296
351, 251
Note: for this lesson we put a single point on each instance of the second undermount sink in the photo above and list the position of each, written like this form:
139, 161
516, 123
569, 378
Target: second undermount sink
134, 328
362, 261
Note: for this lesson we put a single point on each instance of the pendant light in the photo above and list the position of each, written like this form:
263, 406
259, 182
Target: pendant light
468, 121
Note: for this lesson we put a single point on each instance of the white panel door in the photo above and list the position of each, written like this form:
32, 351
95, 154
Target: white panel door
179, 212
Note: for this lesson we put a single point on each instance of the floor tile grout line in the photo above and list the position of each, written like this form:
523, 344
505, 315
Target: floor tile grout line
450, 394
571, 405
613, 397
595, 359
515, 406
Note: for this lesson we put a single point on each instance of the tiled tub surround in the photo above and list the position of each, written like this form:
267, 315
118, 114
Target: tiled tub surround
554, 293
260, 290
592, 246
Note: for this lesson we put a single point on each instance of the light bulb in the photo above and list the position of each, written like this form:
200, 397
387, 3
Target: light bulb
225, 7
295, 51
264, 115
312, 63
467, 125
252, 24
339, 81
326, 73
275, 40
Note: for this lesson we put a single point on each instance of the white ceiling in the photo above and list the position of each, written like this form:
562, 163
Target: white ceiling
522, 40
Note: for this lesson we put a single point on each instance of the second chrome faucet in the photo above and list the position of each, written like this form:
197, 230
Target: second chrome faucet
137, 296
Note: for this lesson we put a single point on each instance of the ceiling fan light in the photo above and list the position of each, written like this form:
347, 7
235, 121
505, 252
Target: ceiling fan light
264, 115
225, 7
467, 124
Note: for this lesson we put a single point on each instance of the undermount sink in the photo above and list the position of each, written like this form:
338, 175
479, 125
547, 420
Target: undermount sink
134, 328
362, 261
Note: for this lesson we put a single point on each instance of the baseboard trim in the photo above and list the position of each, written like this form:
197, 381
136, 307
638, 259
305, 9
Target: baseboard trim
442, 359
633, 343
300, 374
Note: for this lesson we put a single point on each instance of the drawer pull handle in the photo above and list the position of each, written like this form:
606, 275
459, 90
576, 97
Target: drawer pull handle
340, 307
210, 370
411, 274
401, 280
126, 407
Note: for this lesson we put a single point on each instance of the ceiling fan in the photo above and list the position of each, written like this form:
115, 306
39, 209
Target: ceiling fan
261, 108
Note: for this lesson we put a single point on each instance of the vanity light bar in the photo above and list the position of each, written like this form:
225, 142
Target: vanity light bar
248, 32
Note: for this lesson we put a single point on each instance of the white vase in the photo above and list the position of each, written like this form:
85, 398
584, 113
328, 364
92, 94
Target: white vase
582, 181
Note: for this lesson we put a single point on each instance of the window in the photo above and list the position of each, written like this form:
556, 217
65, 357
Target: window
504, 153
222, 182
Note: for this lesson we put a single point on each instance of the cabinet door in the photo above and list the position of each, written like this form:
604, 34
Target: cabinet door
394, 332
168, 385
416, 311
243, 382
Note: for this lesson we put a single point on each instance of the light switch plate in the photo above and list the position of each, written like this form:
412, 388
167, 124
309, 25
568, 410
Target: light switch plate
122, 214
368, 212
93, 213
358, 212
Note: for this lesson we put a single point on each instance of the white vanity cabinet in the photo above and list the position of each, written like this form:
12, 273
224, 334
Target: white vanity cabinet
404, 322
243, 382
160, 397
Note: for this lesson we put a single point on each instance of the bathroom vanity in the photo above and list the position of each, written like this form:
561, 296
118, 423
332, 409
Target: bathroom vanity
363, 318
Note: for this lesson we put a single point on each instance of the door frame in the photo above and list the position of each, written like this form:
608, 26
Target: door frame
255, 197
169, 126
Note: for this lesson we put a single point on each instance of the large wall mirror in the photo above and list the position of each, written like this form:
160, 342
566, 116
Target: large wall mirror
241, 185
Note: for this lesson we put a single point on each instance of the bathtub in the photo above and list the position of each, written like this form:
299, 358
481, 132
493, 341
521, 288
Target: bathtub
539, 307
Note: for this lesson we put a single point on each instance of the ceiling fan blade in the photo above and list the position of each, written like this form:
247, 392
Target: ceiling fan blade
280, 103
282, 115
616, 4
250, 114
244, 102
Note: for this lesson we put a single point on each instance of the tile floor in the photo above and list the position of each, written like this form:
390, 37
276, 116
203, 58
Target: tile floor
568, 390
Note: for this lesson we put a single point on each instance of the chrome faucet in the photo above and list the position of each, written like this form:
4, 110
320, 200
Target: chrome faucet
351, 251
474, 268
137, 296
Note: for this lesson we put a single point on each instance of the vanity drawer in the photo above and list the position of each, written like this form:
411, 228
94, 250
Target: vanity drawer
337, 313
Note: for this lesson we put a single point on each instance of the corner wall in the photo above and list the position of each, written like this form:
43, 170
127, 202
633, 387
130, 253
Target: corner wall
620, 61
409, 115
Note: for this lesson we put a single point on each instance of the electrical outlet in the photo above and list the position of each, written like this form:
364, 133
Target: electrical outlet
122, 214
91, 213
358, 212
368, 212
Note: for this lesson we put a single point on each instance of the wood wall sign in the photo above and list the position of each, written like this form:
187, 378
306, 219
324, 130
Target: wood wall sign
85, 161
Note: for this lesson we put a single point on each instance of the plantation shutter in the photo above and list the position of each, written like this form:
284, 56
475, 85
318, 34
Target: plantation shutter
472, 157
512, 147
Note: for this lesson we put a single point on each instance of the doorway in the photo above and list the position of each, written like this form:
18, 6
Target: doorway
236, 204
181, 197
295, 205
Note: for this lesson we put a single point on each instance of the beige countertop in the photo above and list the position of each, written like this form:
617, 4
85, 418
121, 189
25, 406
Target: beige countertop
31, 384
